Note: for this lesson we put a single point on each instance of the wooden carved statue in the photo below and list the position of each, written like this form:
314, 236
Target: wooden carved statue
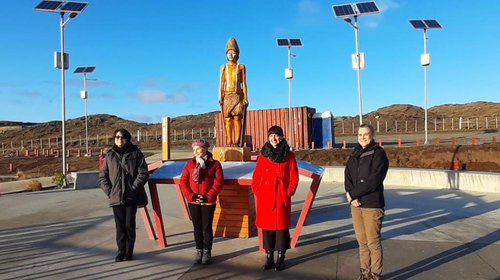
233, 98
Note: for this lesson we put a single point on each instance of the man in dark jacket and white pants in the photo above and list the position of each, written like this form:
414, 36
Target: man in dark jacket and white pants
122, 179
364, 176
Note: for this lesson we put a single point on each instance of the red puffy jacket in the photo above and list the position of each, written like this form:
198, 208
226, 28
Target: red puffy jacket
273, 185
210, 180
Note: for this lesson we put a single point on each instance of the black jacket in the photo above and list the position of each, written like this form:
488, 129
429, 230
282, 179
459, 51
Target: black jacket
123, 177
365, 173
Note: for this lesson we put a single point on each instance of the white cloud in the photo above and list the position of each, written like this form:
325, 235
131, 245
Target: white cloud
385, 5
158, 96
308, 7
140, 118
152, 82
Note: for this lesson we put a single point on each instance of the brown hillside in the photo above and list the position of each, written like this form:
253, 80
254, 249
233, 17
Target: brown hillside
102, 125
469, 110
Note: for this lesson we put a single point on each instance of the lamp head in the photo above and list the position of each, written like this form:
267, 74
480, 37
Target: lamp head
73, 15
348, 20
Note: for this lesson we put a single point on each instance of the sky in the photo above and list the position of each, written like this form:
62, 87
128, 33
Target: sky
162, 58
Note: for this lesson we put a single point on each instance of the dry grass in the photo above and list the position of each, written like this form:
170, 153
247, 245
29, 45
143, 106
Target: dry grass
20, 175
34, 185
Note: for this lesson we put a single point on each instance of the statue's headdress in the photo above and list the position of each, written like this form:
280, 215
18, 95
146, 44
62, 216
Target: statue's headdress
232, 45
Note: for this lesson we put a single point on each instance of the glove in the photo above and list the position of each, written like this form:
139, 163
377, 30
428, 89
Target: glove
194, 197
203, 198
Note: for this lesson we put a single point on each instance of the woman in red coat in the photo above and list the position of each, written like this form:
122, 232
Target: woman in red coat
201, 182
274, 182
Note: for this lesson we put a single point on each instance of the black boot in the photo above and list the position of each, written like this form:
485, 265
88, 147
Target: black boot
280, 263
198, 256
129, 255
207, 257
120, 256
269, 261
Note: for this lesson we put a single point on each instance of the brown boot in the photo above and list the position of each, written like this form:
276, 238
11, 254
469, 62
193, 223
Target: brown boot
374, 276
363, 275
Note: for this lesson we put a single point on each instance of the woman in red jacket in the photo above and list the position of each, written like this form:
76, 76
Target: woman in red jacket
274, 182
201, 182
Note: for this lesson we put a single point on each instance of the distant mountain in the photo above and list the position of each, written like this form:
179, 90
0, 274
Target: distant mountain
101, 124
104, 125
409, 112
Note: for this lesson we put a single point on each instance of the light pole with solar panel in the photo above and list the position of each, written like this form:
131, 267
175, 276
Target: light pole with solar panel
425, 58
84, 95
67, 11
289, 43
345, 12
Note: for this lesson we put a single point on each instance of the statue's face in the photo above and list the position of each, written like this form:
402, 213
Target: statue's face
231, 55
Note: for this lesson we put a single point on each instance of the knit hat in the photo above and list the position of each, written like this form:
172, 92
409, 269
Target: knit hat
232, 45
200, 143
275, 130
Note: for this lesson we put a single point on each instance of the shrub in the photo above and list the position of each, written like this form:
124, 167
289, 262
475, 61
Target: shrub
34, 185
58, 179
20, 175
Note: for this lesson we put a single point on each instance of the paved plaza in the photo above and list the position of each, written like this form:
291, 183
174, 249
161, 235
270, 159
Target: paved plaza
427, 234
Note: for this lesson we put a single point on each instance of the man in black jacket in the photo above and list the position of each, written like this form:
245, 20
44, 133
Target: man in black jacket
364, 176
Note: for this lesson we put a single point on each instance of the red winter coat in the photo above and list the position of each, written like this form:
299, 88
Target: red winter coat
273, 185
210, 180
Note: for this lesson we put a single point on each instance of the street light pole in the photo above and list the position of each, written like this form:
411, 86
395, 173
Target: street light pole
425, 88
63, 100
86, 115
358, 59
73, 9
83, 94
289, 43
425, 61
290, 127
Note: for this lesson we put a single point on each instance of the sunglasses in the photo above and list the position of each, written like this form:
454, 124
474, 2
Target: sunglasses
120, 137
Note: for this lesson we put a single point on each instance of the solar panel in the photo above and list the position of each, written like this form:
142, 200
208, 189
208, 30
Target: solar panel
343, 10
79, 70
73, 7
367, 8
283, 42
432, 23
48, 5
84, 69
418, 24
296, 42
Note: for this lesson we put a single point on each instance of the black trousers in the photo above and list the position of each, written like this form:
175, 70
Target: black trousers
276, 240
202, 217
125, 228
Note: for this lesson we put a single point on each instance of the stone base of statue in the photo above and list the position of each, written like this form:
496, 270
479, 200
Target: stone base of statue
231, 153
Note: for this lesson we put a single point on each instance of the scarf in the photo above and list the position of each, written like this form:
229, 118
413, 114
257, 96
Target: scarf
200, 164
277, 154
358, 151
122, 150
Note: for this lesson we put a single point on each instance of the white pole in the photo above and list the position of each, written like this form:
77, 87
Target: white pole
358, 70
63, 101
425, 87
86, 115
290, 99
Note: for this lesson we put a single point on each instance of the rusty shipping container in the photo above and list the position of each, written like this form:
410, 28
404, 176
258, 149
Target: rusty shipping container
259, 121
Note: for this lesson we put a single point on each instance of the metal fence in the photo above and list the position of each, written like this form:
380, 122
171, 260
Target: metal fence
417, 125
